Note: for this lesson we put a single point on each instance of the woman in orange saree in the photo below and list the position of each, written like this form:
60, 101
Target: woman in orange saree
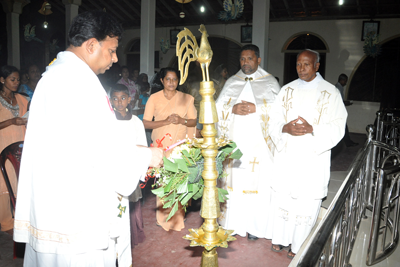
175, 119
12, 129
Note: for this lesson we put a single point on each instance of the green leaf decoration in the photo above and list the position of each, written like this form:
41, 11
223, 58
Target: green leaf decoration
236, 155
168, 204
199, 194
193, 172
188, 157
222, 195
173, 210
159, 192
181, 178
168, 187
228, 148
182, 196
169, 165
182, 188
197, 154
186, 199
181, 165
190, 187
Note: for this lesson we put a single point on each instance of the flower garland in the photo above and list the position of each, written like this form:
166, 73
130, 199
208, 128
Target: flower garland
179, 180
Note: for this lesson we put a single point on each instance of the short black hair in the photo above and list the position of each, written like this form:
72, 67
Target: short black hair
7, 70
252, 48
93, 24
164, 71
343, 77
119, 88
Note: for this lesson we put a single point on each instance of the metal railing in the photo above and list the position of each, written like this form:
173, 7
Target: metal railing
373, 183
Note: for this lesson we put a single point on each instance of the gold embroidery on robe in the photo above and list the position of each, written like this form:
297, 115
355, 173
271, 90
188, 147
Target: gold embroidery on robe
250, 191
322, 105
224, 124
287, 101
265, 108
43, 234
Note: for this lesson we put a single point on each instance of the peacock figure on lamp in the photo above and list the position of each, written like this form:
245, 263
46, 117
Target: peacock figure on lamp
210, 235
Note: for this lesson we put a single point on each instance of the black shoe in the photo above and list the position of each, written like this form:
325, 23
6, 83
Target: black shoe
252, 237
352, 144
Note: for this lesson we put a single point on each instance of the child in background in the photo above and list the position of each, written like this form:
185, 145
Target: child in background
120, 99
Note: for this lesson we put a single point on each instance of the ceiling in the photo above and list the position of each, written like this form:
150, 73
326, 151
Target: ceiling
167, 11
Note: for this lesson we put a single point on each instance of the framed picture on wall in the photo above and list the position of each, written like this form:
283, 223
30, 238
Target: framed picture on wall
246, 34
368, 27
173, 36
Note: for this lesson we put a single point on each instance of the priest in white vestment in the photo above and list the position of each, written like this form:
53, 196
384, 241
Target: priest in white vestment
77, 158
243, 113
307, 119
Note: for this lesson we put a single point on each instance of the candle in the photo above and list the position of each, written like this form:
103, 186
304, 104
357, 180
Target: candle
174, 145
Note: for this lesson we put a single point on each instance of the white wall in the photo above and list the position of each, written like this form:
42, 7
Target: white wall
343, 38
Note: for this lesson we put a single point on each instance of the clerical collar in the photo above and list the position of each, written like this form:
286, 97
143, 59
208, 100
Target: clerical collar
312, 84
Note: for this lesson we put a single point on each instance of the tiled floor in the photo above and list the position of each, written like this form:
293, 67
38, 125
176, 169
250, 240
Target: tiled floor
163, 248
359, 256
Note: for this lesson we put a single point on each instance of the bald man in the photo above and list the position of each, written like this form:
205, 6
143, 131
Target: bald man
307, 119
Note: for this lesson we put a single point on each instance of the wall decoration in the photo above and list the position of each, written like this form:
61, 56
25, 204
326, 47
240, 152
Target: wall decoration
371, 46
246, 34
29, 33
370, 27
231, 11
164, 44
173, 36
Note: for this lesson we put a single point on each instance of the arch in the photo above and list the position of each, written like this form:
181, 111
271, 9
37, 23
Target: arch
294, 36
317, 43
129, 45
377, 79
133, 57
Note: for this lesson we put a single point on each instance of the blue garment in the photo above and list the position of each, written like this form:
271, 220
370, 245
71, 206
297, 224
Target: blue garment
144, 99
23, 88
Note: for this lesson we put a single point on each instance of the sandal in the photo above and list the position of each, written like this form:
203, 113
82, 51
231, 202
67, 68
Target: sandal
290, 254
274, 248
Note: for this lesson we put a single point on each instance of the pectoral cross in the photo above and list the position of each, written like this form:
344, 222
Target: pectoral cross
254, 162
121, 209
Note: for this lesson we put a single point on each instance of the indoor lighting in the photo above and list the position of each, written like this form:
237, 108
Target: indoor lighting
202, 8
340, 2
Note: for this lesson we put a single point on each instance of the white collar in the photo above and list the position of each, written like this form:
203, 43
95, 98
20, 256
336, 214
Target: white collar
311, 84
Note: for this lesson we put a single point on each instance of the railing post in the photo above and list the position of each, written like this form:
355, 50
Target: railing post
370, 171
378, 136
373, 241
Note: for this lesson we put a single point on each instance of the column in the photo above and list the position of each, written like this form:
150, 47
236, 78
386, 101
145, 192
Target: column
13, 8
261, 28
147, 36
71, 11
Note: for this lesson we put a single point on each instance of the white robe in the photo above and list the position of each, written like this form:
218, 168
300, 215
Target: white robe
248, 178
75, 160
302, 163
